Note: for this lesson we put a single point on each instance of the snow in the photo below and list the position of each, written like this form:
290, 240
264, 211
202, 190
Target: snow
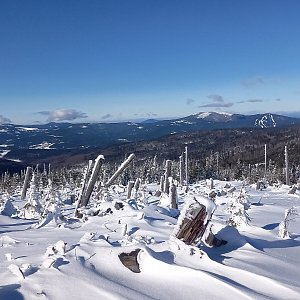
27, 129
78, 259
203, 115
43, 145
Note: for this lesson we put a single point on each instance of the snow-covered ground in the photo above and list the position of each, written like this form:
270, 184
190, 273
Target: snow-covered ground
79, 260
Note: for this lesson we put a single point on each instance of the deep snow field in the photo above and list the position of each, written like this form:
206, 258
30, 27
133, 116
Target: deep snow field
35, 263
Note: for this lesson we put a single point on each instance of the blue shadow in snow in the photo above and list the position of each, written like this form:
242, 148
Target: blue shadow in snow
9, 292
270, 226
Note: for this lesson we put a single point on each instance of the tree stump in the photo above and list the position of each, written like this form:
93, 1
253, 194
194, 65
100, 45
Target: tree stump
192, 225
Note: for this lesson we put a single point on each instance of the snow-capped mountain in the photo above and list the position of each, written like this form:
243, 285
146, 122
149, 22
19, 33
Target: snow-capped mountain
18, 143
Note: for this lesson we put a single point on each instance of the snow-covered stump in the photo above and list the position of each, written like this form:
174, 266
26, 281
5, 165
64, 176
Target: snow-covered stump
194, 219
26, 182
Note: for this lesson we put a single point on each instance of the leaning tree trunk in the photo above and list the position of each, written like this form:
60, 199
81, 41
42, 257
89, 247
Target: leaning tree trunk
91, 183
122, 167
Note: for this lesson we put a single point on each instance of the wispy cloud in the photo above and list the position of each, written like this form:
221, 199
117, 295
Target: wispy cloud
107, 116
4, 120
229, 104
254, 101
217, 102
189, 101
63, 115
253, 82
216, 98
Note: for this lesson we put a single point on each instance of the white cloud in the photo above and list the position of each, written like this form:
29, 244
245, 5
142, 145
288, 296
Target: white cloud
63, 115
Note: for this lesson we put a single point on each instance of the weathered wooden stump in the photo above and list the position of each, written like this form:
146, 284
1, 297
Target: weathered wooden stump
193, 224
130, 261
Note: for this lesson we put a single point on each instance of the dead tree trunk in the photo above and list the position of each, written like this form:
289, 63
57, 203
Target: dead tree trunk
26, 182
287, 173
181, 170
122, 167
130, 186
173, 196
136, 187
167, 175
161, 185
186, 167
90, 186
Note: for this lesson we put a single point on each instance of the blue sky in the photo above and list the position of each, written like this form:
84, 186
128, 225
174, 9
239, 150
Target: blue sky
96, 60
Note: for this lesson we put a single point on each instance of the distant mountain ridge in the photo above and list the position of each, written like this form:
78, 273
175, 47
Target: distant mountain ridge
27, 143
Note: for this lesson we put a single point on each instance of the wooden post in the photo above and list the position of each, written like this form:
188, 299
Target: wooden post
26, 182
167, 175
287, 173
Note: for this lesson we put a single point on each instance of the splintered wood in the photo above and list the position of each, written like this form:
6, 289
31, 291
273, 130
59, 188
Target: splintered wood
193, 227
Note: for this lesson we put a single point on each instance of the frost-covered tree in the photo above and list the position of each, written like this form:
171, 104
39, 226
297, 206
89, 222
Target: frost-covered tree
32, 208
289, 215
237, 209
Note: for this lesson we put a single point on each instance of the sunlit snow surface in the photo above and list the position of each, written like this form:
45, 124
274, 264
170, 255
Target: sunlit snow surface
254, 264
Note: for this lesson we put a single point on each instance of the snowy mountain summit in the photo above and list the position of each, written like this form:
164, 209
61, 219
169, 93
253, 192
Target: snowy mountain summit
266, 121
214, 116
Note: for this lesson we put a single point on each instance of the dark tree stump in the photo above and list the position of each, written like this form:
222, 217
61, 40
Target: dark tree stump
129, 260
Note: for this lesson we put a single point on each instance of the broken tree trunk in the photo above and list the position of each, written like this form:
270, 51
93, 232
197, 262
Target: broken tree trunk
194, 219
181, 170
287, 172
26, 182
136, 187
91, 183
173, 196
129, 189
122, 167
167, 175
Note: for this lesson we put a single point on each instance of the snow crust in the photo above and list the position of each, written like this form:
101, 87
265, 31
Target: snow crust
78, 259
